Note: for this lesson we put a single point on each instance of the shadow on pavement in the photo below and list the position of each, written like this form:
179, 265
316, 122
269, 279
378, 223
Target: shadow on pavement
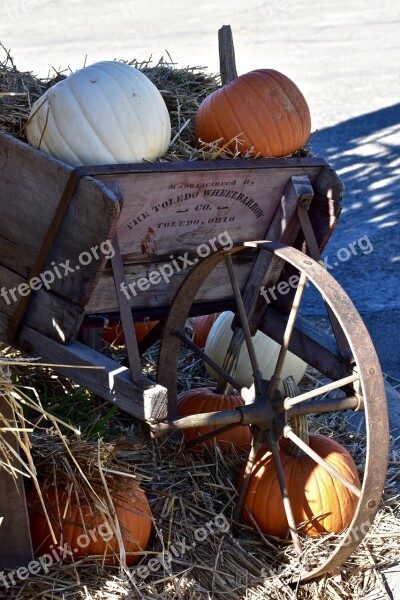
365, 151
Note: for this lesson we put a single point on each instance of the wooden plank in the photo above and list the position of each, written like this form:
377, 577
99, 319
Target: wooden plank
174, 212
30, 189
327, 205
15, 539
217, 204
161, 294
131, 345
299, 162
54, 316
111, 381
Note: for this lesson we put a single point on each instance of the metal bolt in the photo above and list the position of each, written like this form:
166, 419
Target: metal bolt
371, 503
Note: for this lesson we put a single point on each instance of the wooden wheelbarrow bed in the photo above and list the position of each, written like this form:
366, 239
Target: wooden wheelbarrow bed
162, 240
156, 217
158, 210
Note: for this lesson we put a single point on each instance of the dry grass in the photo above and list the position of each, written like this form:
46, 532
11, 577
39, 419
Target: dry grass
182, 90
186, 492
18, 92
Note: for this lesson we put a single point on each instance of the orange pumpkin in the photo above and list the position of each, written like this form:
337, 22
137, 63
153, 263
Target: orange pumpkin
114, 334
142, 328
201, 328
313, 492
94, 536
264, 109
204, 400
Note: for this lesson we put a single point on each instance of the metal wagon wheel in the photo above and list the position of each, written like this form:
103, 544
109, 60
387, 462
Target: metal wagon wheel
361, 380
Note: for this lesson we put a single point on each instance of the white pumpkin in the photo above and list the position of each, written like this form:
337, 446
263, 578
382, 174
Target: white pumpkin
106, 113
266, 351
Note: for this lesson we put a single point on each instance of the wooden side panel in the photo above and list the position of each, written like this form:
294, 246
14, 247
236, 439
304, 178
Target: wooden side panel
171, 219
172, 216
168, 213
31, 185
141, 293
54, 316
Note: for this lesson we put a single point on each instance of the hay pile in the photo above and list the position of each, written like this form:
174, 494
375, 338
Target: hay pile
182, 89
189, 492
18, 92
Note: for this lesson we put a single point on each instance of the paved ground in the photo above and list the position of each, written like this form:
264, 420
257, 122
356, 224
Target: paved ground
365, 151
343, 54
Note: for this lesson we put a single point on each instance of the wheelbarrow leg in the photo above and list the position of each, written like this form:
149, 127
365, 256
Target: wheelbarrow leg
126, 316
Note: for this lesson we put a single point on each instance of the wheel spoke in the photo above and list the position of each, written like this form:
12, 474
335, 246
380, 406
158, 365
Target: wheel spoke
230, 361
317, 407
287, 335
320, 391
245, 325
255, 446
285, 496
341, 340
221, 372
289, 433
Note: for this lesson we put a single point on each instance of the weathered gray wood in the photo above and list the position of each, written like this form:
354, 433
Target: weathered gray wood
169, 210
107, 378
151, 231
174, 212
227, 63
54, 316
92, 337
161, 294
131, 345
324, 215
327, 205
31, 185
15, 539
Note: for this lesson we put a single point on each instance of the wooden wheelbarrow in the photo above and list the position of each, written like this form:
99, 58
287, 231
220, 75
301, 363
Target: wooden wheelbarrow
171, 240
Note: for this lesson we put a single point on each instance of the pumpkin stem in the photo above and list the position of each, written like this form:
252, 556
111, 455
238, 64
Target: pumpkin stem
230, 361
299, 423
227, 63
